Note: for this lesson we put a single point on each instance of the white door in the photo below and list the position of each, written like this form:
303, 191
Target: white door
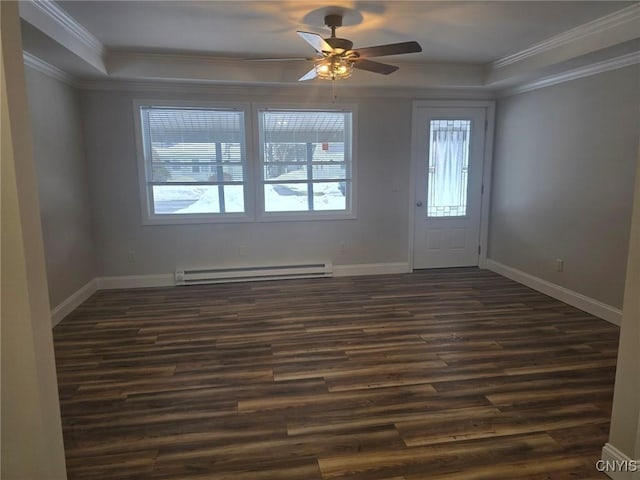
448, 146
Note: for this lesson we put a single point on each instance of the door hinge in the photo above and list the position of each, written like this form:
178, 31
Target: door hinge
478, 249
482, 190
486, 125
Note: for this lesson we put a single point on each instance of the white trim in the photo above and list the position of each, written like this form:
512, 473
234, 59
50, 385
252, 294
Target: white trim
612, 454
41, 66
351, 139
145, 188
629, 14
487, 173
575, 299
370, 269
168, 280
136, 281
53, 10
593, 69
48, 17
253, 181
67, 306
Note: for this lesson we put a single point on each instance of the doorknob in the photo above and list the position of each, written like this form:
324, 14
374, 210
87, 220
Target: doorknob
418, 204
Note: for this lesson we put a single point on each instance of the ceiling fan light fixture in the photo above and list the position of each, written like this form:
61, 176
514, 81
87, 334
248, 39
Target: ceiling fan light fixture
334, 68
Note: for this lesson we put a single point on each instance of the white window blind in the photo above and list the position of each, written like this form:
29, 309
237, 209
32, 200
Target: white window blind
195, 160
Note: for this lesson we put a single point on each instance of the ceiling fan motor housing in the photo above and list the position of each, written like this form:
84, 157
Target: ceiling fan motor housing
333, 21
339, 44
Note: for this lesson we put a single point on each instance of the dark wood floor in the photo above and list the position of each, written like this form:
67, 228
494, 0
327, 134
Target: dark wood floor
443, 374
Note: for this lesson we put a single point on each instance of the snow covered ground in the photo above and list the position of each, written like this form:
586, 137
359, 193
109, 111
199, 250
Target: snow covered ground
168, 193
278, 198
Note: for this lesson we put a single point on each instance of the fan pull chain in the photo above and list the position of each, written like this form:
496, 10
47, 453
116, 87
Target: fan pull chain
333, 90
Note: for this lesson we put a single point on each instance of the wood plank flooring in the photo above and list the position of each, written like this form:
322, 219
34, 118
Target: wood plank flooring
441, 374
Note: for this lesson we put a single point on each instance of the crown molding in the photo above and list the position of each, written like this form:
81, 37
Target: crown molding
41, 66
628, 15
57, 24
586, 71
81, 34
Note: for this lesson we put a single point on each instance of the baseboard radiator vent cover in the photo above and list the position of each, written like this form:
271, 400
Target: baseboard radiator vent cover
198, 276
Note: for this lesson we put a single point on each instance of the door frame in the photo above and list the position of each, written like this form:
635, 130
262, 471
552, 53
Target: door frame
487, 166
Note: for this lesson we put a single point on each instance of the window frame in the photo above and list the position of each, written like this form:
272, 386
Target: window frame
253, 181
145, 183
350, 140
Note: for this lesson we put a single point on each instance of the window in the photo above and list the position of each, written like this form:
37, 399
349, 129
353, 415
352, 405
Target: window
448, 168
201, 162
194, 162
306, 162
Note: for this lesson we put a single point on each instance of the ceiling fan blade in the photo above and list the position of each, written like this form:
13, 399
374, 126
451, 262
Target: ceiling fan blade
376, 67
389, 49
280, 59
310, 75
316, 41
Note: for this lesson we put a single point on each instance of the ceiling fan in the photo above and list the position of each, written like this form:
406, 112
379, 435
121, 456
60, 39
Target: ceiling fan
336, 58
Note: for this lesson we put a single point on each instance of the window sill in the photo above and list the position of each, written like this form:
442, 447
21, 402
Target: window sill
305, 216
160, 220
195, 219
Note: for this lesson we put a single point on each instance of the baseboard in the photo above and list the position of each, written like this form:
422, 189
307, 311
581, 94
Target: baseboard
617, 465
136, 281
167, 280
74, 301
575, 299
370, 269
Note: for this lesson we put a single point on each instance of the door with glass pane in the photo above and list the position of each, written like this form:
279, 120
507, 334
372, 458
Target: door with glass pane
447, 171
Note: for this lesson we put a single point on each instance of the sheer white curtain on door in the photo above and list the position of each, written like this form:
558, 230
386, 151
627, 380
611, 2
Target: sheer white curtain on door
448, 162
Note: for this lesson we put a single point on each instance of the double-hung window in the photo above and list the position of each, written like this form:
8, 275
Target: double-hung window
201, 162
194, 163
305, 160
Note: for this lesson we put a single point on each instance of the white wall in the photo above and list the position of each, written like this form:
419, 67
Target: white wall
32, 445
625, 419
563, 182
63, 186
378, 235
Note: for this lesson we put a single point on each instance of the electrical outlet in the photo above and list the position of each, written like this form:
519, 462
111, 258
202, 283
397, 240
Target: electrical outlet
131, 257
559, 265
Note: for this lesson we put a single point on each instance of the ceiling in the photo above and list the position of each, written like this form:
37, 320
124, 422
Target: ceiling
473, 44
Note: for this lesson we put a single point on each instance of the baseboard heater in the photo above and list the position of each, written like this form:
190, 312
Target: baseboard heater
197, 276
